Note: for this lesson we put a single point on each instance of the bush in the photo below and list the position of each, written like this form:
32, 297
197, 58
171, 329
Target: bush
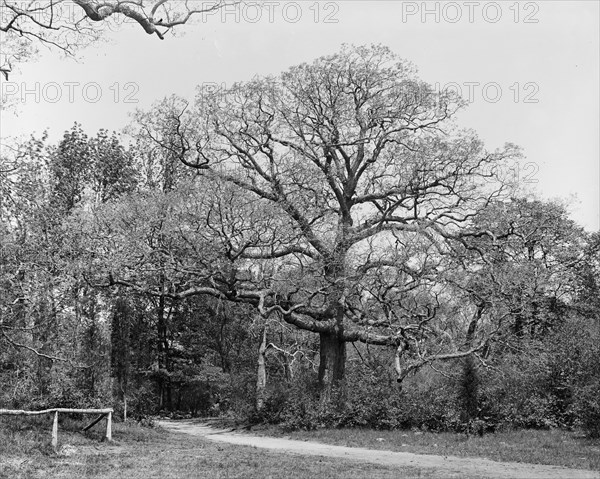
587, 407
585, 381
514, 393
549, 383
367, 399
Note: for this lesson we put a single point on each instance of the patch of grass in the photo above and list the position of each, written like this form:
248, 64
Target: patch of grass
553, 447
25, 435
141, 453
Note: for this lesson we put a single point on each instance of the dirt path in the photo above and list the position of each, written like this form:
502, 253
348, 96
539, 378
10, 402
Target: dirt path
447, 466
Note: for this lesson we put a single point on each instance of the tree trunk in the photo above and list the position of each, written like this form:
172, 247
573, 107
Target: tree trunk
519, 324
164, 353
261, 374
169, 393
332, 363
469, 384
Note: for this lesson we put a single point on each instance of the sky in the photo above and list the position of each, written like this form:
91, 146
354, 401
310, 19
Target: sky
530, 71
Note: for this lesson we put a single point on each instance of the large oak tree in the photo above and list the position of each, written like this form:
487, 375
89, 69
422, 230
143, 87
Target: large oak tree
364, 189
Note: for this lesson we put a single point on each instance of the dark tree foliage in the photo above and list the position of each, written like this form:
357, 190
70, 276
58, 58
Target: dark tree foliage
68, 167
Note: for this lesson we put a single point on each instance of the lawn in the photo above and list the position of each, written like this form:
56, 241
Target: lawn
141, 453
551, 447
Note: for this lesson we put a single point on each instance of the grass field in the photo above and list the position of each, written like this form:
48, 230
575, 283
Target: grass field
141, 453
552, 447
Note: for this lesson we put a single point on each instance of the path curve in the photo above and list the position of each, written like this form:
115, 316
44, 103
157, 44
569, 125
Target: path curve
449, 466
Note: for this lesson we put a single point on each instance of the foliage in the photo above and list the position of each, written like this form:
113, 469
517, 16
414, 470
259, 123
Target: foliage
543, 385
51, 321
587, 408
549, 383
576, 372
370, 399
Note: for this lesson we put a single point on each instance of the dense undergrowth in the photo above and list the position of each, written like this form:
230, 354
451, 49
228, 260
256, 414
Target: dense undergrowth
555, 384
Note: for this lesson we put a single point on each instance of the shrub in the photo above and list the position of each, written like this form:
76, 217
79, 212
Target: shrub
587, 408
367, 399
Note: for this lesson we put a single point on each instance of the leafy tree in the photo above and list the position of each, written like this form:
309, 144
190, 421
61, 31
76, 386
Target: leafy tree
531, 251
69, 169
46, 310
30, 323
99, 167
112, 167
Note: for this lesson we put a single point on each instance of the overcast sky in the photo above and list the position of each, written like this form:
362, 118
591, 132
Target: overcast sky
530, 69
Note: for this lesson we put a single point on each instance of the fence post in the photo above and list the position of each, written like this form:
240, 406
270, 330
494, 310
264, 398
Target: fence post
109, 427
55, 430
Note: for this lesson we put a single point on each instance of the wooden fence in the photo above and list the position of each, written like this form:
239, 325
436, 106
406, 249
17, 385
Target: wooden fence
102, 413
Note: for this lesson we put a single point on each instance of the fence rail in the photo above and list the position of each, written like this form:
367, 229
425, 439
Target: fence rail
102, 412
